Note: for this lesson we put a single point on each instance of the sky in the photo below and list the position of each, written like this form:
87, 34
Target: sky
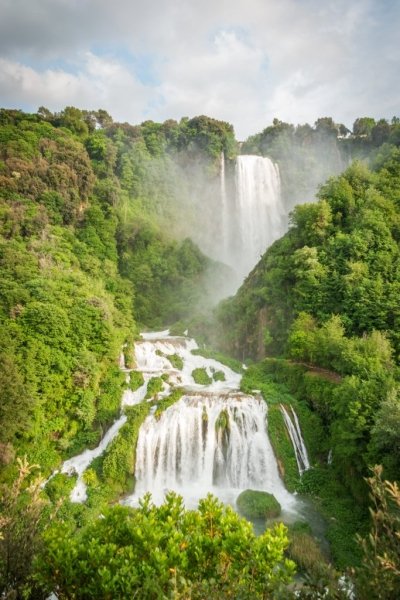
242, 61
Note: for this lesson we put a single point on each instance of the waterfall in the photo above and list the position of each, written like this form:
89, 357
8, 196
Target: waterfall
208, 443
214, 439
300, 450
241, 214
225, 217
79, 464
259, 217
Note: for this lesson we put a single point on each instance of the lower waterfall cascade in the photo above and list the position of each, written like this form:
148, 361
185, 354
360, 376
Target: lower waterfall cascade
212, 440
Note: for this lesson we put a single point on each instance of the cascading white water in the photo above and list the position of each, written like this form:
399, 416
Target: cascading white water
300, 450
240, 216
214, 439
208, 442
225, 217
78, 464
258, 216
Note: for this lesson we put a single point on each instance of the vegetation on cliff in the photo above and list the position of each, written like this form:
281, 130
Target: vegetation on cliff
94, 217
88, 249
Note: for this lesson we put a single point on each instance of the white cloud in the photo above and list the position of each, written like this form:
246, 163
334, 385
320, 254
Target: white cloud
244, 62
219, 81
99, 83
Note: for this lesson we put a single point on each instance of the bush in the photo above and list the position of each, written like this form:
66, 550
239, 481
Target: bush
254, 504
163, 404
154, 386
219, 376
118, 466
201, 377
176, 361
166, 552
136, 380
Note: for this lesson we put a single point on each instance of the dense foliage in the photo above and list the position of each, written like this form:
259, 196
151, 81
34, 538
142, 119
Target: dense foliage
327, 293
166, 551
96, 220
64, 309
324, 305
88, 247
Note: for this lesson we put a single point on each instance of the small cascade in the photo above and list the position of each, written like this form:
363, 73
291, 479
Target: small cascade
300, 450
258, 213
79, 464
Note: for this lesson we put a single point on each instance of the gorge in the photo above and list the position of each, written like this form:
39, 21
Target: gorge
98, 224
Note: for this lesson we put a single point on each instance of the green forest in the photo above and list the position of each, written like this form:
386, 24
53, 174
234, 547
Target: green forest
97, 220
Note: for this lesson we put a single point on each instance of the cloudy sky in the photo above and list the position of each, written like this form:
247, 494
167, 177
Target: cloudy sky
243, 61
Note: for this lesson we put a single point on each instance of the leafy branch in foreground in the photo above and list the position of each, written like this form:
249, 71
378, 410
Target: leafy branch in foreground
22, 511
379, 576
165, 551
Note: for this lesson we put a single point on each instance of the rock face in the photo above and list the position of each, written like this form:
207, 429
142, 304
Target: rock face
255, 504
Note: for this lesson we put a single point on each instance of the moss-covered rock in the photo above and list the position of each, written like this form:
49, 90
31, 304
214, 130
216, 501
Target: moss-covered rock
136, 380
254, 504
176, 361
201, 376
219, 376
222, 421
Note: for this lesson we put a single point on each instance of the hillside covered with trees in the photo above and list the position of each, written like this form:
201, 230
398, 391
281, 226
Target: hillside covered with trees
320, 316
88, 250
100, 228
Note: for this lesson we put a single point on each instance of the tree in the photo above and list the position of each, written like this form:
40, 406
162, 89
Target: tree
385, 442
380, 132
326, 126
165, 551
363, 126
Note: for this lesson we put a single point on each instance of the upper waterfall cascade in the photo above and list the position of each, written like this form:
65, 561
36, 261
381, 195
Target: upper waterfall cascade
255, 218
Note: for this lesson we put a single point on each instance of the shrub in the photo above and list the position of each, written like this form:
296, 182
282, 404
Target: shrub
219, 376
176, 361
201, 377
136, 380
254, 504
154, 386
166, 552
